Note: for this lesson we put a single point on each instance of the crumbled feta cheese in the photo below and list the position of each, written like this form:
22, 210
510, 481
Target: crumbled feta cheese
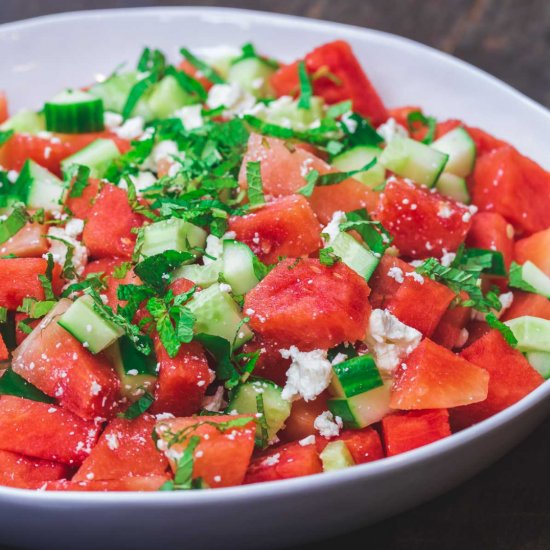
309, 440
96, 388
332, 229
396, 273
272, 460
112, 120
58, 249
190, 116
231, 96
444, 211
415, 276
112, 441
390, 129
225, 287
390, 340
214, 403
348, 122
308, 375
447, 259
214, 248
12, 175
328, 425
141, 181
164, 150
339, 358
131, 129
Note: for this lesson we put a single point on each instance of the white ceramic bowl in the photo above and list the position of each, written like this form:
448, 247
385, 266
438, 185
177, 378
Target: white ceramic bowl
41, 56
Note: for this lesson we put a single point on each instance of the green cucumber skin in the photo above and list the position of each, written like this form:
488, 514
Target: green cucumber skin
98, 156
532, 333
357, 375
83, 114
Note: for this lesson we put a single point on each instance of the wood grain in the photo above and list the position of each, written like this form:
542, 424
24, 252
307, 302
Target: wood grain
508, 505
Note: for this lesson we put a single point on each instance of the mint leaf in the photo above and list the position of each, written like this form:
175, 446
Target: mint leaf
516, 279
139, 407
428, 122
505, 330
255, 185
306, 90
204, 68
13, 384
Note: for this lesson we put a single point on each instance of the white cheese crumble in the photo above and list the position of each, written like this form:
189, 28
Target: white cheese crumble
163, 151
348, 122
396, 273
309, 440
112, 120
308, 375
332, 229
390, 129
69, 233
190, 116
112, 441
224, 287
444, 211
328, 425
272, 460
447, 259
390, 340
214, 248
214, 403
141, 181
231, 96
131, 129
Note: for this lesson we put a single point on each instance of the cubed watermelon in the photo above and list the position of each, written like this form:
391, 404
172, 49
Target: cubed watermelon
536, 249
284, 227
81, 206
108, 231
364, 445
45, 431
28, 242
511, 378
525, 303
302, 417
386, 280
450, 332
422, 222
285, 462
127, 483
433, 377
125, 448
270, 364
222, 455
491, 231
409, 430
4, 353
310, 305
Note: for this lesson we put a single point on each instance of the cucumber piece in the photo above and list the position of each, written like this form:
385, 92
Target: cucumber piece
166, 97
74, 112
39, 188
285, 112
97, 156
276, 409
355, 255
355, 376
534, 276
202, 275
532, 333
171, 234
25, 121
540, 361
336, 456
363, 409
461, 150
454, 187
408, 158
252, 75
238, 267
136, 371
88, 326
217, 314
359, 156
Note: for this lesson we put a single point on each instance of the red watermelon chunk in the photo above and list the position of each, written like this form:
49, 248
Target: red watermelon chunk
44, 431
420, 302
56, 363
126, 448
536, 249
432, 377
21, 471
309, 305
491, 231
28, 242
384, 282
127, 483
422, 222
108, 231
4, 353
82, 205
511, 378
450, 332
525, 303
182, 380
20, 280
346, 80
222, 456
285, 462
506, 182
270, 364
364, 445
284, 170
409, 430
284, 227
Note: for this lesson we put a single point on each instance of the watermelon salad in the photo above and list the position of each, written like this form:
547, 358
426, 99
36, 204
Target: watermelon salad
233, 270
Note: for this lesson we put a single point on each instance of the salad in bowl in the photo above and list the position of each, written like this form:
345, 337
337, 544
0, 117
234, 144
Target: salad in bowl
230, 270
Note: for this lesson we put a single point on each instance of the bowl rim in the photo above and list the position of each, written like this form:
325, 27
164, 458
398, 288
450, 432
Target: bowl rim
326, 480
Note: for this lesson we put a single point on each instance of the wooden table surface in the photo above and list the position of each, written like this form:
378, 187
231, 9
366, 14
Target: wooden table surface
508, 505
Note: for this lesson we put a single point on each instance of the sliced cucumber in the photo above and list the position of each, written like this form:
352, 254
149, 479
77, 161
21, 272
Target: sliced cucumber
201, 275
285, 112
276, 409
39, 188
216, 313
97, 156
355, 255
135, 370
355, 376
167, 96
534, 276
91, 329
408, 158
540, 361
461, 150
336, 456
171, 234
238, 266
252, 75
359, 156
363, 409
74, 112
25, 121
454, 187
532, 333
